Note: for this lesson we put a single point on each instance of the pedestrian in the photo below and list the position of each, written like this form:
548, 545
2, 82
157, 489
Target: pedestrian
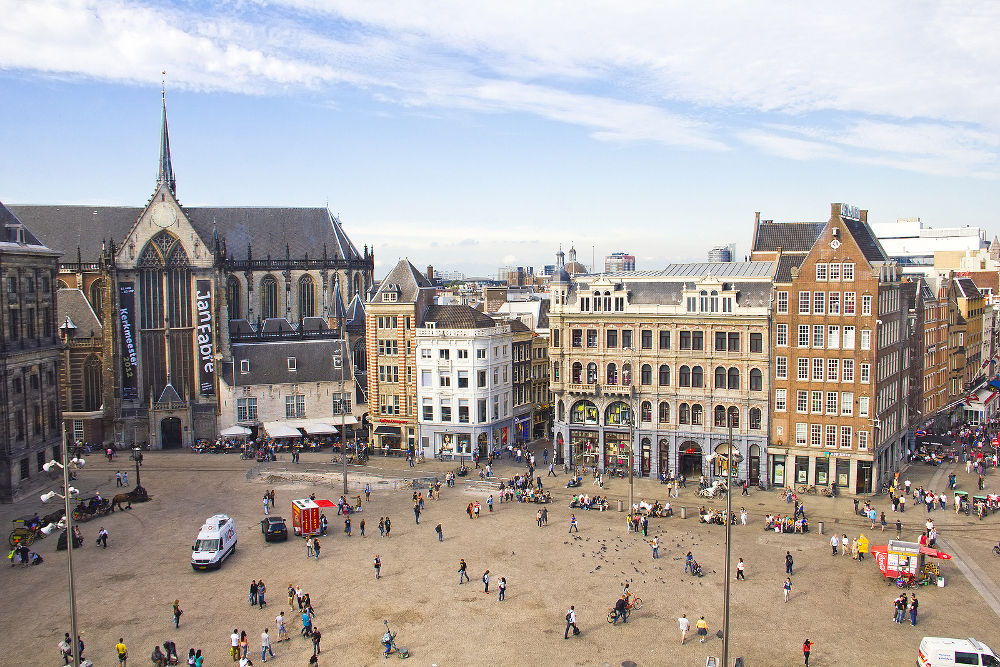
261, 589
102, 537
462, 571
834, 543
265, 646
902, 503
253, 589
118, 478
788, 562
571, 622
739, 570
266, 504
882, 521
743, 516
234, 645
655, 542
125, 479
855, 505
899, 529
177, 613
316, 636
702, 628
806, 648
388, 526
689, 563
122, 652
437, 529
316, 547
306, 623
572, 524
502, 587
381, 526
282, 629
486, 582
746, 492
685, 626
900, 605
378, 566
416, 513
347, 526
489, 503
787, 588
552, 470
299, 597
368, 491
291, 596
361, 526
309, 548
844, 544
538, 518
913, 609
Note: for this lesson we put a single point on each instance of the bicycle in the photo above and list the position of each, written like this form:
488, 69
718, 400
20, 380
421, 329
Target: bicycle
634, 604
803, 488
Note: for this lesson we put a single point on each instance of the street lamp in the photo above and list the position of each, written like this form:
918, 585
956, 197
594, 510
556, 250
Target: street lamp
729, 524
68, 493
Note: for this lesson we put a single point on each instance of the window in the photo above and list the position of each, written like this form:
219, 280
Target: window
866, 339
804, 298
850, 301
692, 306
697, 377
781, 368
720, 341
664, 375
428, 410
703, 301
585, 304
685, 340
782, 302
244, 366
803, 370
697, 340
444, 380
757, 341
246, 409
831, 436
389, 404
734, 341
684, 414
342, 404
847, 403
847, 370
268, 297
720, 415
817, 370
833, 337
720, 378
734, 378
591, 374
815, 435
462, 354
697, 415
821, 272
446, 411
425, 378
646, 411
664, 412
866, 373
802, 401
425, 353
835, 303
863, 406
683, 376
848, 272
481, 378
295, 406
780, 400
612, 374
835, 272
862, 439
803, 335
832, 400
646, 338
626, 338
577, 338
727, 304
291, 363
755, 419
816, 402
307, 300
481, 353
781, 337
818, 303
463, 379
664, 340
802, 434
832, 370
848, 338
612, 338
756, 380
866, 309
444, 354
390, 374
818, 330
591, 337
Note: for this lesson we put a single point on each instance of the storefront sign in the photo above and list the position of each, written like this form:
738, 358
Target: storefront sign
126, 315
850, 212
206, 345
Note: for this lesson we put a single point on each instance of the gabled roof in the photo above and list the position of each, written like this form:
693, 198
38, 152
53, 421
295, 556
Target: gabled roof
72, 304
356, 314
314, 362
457, 317
15, 235
786, 236
405, 280
967, 288
866, 240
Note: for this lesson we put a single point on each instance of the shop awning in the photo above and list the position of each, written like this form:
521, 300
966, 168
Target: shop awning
934, 553
234, 431
388, 430
320, 428
349, 420
281, 430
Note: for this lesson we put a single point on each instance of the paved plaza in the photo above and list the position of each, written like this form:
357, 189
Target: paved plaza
843, 606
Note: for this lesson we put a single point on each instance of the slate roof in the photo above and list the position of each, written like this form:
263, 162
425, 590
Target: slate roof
356, 314
72, 304
785, 265
456, 316
968, 288
269, 362
269, 229
10, 223
788, 236
867, 241
405, 280
755, 293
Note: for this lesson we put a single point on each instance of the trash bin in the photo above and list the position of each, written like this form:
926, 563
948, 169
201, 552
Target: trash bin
684, 512
821, 528
621, 505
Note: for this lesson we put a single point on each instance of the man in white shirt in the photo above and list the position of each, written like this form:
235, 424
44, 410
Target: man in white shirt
265, 646
685, 625
279, 622
234, 642
571, 622
834, 543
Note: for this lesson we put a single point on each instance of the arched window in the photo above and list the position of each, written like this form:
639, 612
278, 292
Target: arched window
583, 412
697, 377
646, 411
60, 284
684, 376
697, 415
734, 378
268, 297
612, 374
626, 374
307, 300
720, 377
92, 384
734, 416
234, 296
618, 414
607, 301
358, 285
755, 419
756, 380
577, 373
96, 297
715, 301
562, 411
647, 374
664, 375
664, 412
720, 415
703, 301
591, 373
684, 414
597, 301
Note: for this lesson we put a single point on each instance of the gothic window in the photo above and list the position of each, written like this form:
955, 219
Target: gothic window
268, 297
307, 302
92, 384
612, 374
684, 376
697, 414
96, 302
234, 294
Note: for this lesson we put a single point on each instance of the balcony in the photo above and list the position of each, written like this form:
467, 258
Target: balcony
576, 388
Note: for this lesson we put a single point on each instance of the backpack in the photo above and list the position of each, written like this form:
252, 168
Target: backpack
568, 616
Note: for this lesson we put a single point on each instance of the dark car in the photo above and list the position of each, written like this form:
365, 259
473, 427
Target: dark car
274, 529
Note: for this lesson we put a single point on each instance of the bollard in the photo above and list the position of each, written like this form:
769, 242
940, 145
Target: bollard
684, 512
821, 528
621, 505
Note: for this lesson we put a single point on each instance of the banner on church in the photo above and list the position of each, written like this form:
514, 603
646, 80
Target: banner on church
126, 315
206, 340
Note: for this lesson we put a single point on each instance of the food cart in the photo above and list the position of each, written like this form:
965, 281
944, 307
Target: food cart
906, 561
305, 516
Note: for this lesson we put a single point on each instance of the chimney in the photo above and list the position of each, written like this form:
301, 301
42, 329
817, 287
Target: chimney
430, 272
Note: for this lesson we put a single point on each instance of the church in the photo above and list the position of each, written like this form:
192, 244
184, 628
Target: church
153, 292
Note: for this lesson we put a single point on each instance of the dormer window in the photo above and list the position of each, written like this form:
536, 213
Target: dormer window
244, 366
337, 363
291, 363
389, 296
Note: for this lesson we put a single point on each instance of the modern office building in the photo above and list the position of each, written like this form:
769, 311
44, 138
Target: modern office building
617, 262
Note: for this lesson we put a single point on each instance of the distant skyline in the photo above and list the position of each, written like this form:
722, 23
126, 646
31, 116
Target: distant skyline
474, 135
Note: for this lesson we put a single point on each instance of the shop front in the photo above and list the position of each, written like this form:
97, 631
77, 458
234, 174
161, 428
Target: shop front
663, 462
864, 479
753, 476
778, 469
801, 469
617, 446
645, 454
843, 473
821, 475
454, 444
689, 459
388, 437
522, 428
583, 447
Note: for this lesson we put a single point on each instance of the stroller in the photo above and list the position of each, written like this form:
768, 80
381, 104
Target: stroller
696, 570
389, 642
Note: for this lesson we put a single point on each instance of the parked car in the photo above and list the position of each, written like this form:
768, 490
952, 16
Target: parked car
274, 529
942, 652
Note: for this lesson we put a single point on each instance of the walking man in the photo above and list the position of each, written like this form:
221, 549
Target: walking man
265, 646
462, 571
486, 582
656, 546
437, 529
685, 626
416, 513
913, 609
739, 570
834, 543
899, 529
368, 491
502, 587
571, 622
552, 470
572, 524
102, 537
787, 588
378, 566
788, 562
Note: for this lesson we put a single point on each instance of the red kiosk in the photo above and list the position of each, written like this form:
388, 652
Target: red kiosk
906, 560
305, 516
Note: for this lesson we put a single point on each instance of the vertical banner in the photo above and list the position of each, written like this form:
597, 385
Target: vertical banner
206, 346
126, 315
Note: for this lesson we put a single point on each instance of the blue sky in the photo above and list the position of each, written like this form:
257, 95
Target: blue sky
469, 135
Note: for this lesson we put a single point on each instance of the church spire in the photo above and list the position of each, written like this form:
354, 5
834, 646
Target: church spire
165, 174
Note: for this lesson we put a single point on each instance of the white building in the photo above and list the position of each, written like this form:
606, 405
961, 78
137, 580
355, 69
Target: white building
463, 382
913, 245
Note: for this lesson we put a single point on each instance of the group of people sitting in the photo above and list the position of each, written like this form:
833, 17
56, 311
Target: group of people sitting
786, 524
712, 515
653, 509
587, 502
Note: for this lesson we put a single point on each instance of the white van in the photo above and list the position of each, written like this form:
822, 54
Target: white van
941, 652
216, 540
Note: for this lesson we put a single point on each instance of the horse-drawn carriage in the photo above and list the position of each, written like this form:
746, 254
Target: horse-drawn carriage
26, 529
91, 508
717, 488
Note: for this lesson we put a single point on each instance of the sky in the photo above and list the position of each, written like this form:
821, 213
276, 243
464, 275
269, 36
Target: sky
470, 135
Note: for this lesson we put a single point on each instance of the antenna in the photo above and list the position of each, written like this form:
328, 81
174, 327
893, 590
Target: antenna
163, 83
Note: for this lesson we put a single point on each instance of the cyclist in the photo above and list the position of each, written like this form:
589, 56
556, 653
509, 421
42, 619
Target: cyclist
621, 607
